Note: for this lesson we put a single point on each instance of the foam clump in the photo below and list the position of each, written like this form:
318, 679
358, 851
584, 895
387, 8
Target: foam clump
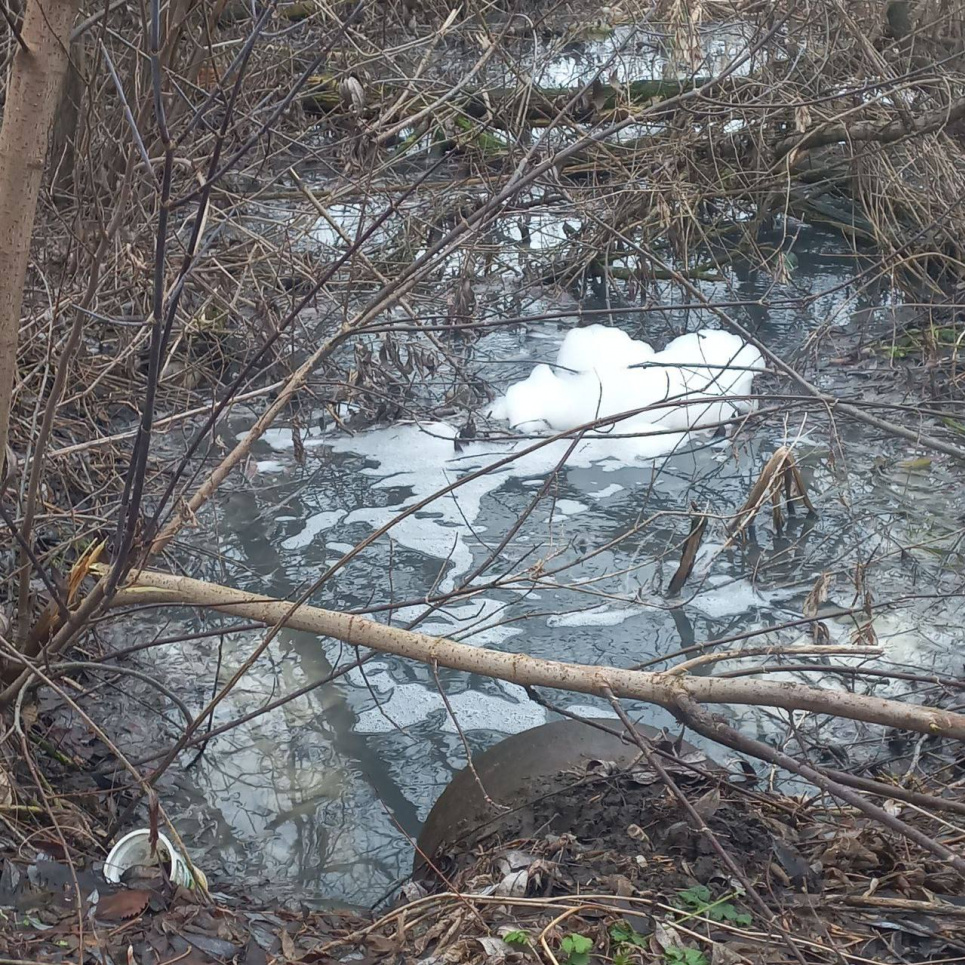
696, 382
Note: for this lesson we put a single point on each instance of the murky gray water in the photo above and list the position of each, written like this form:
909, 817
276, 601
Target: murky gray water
321, 797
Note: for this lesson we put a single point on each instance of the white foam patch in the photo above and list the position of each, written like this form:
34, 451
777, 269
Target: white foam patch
901, 637
697, 381
569, 507
607, 491
268, 466
279, 439
694, 371
593, 618
906, 643
408, 704
597, 712
314, 525
725, 597
476, 623
422, 458
902, 640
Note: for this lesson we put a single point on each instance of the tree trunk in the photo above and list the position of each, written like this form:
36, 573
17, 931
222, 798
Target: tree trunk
36, 83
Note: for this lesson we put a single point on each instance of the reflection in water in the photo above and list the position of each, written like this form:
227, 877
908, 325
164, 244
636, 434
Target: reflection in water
322, 795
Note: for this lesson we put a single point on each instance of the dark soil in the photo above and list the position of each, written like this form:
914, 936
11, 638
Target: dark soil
611, 850
602, 822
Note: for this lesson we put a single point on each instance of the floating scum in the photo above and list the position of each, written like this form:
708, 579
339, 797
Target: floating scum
698, 381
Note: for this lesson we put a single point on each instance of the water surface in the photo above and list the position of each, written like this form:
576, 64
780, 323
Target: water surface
321, 797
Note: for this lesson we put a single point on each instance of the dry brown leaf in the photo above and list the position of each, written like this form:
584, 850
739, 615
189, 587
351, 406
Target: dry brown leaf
122, 905
382, 945
707, 804
664, 936
287, 946
79, 571
495, 948
513, 885
818, 594
722, 954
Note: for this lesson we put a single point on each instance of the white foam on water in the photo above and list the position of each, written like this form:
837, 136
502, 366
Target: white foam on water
416, 461
409, 704
697, 381
476, 623
315, 524
268, 466
422, 458
595, 711
903, 642
723, 596
280, 439
594, 618
569, 507
908, 643
696, 369
607, 491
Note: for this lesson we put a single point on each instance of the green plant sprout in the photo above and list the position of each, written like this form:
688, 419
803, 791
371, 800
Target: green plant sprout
698, 904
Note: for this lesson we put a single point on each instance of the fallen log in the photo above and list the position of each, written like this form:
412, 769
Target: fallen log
665, 689
498, 104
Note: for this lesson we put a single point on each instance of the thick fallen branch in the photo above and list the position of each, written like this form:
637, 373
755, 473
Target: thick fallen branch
664, 689
544, 105
881, 132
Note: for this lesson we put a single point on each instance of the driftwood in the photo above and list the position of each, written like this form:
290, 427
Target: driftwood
665, 689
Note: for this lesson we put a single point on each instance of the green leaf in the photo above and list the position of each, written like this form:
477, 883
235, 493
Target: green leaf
696, 896
517, 937
684, 956
743, 919
577, 949
577, 943
623, 934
